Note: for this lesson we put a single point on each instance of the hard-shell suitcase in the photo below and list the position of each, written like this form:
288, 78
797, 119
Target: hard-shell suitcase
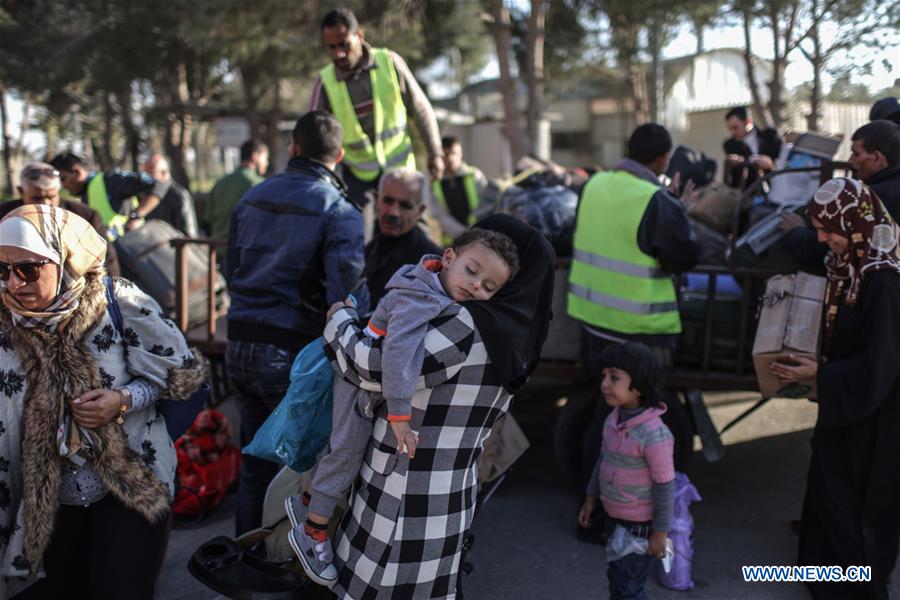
148, 259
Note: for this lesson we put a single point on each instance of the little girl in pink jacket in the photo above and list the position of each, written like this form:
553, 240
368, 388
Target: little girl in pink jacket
635, 475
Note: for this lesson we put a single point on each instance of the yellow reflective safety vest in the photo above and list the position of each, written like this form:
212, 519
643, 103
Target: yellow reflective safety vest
471, 189
392, 147
98, 199
613, 284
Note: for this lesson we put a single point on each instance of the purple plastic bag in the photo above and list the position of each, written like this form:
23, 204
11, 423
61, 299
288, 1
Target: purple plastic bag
681, 532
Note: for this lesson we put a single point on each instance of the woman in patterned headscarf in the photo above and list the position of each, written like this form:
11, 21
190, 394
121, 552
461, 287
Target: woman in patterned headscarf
851, 512
85, 458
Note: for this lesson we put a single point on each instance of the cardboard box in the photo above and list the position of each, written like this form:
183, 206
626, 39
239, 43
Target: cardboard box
790, 322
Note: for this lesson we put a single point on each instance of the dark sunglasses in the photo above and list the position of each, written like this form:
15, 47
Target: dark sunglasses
29, 271
35, 174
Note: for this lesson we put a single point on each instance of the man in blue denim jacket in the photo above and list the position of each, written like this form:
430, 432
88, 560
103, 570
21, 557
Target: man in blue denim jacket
295, 247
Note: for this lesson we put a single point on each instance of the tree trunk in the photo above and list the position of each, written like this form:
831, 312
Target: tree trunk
132, 135
51, 131
178, 135
777, 67
18, 157
815, 100
817, 61
536, 34
759, 111
178, 129
97, 150
637, 81
500, 29
698, 33
782, 40
106, 159
656, 99
776, 104
4, 127
249, 84
273, 136
201, 153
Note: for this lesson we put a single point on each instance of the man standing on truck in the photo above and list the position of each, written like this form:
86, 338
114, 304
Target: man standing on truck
372, 92
749, 151
631, 236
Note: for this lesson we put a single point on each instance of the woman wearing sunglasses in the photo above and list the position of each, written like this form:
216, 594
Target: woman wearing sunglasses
86, 463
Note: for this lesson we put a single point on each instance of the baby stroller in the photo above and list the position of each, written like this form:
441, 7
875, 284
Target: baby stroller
260, 565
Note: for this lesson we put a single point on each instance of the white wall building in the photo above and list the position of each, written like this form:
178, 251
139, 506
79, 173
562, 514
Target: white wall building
700, 89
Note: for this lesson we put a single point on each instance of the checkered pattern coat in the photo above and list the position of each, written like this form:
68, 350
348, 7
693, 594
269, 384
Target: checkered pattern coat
403, 534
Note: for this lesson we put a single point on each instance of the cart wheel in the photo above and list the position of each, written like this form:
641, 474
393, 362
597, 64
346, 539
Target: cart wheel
572, 423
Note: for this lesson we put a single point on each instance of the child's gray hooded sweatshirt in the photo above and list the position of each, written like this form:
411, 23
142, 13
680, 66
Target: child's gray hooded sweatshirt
414, 297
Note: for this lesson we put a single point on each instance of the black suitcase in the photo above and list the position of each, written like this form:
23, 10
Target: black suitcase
148, 259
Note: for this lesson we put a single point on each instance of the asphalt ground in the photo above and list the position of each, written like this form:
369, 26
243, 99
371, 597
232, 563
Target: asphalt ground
524, 534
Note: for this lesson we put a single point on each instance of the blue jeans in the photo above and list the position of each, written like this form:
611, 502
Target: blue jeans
260, 374
628, 575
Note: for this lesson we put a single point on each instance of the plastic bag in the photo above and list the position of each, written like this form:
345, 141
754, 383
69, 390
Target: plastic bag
681, 532
549, 209
299, 427
622, 543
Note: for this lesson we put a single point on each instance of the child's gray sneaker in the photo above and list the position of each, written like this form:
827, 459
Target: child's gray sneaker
315, 557
296, 510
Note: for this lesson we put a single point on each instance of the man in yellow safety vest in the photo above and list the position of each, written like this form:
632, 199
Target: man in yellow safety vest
631, 237
123, 199
458, 194
372, 92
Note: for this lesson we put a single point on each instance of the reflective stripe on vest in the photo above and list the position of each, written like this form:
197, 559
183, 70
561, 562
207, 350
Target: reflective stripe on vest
98, 199
613, 284
471, 190
392, 146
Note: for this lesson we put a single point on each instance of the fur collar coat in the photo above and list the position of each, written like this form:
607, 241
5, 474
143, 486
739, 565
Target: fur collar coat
39, 370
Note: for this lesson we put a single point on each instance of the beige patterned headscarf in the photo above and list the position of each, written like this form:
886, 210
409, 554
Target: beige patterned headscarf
73, 244
80, 250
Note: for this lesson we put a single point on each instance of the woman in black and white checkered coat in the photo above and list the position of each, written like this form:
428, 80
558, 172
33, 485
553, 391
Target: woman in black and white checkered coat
403, 535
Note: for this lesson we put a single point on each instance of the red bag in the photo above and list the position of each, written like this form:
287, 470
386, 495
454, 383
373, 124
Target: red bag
208, 464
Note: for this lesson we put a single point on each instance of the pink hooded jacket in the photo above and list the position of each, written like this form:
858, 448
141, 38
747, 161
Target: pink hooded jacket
636, 454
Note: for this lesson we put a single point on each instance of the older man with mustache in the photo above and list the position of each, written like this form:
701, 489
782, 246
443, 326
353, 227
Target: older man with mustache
398, 240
